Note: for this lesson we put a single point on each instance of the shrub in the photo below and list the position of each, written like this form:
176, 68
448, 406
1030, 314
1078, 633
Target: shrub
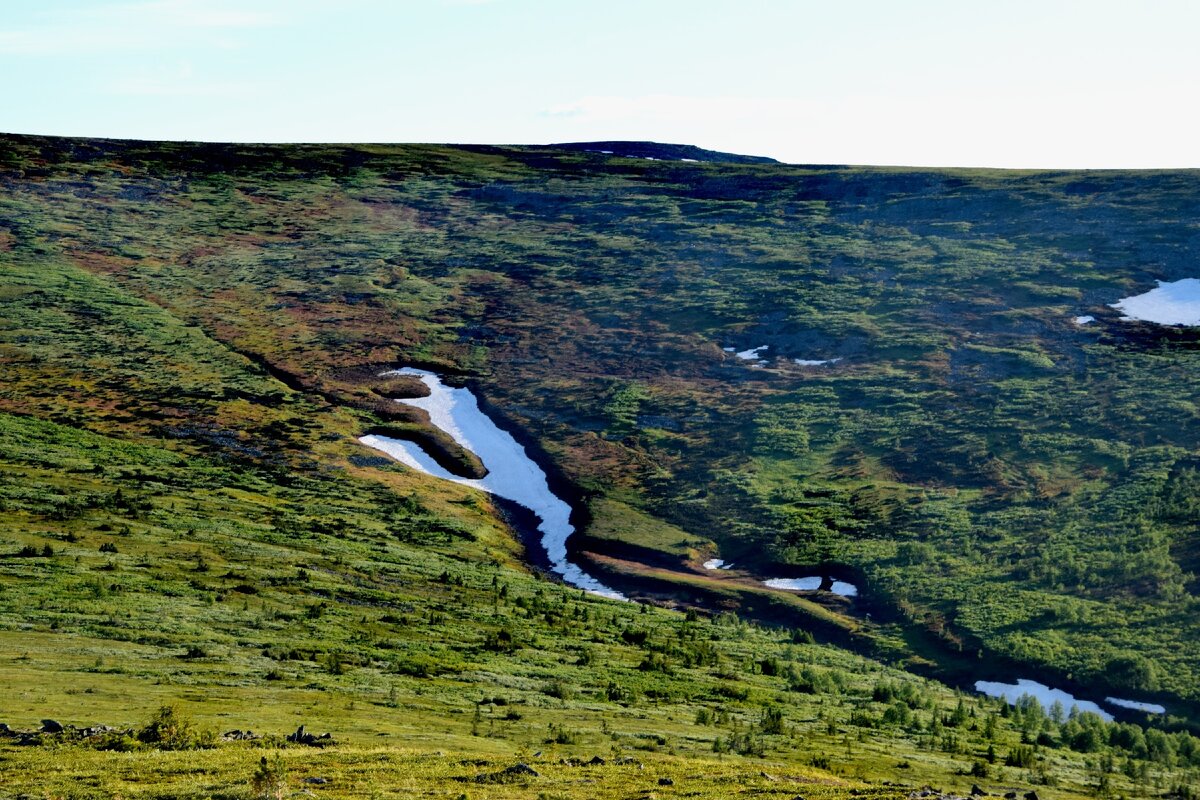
1019, 757
501, 641
269, 781
169, 729
772, 722
561, 735
558, 688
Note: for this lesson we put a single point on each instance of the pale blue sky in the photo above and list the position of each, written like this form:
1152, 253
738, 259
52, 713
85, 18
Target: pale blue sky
1051, 83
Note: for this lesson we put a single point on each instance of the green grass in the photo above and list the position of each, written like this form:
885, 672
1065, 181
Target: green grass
178, 338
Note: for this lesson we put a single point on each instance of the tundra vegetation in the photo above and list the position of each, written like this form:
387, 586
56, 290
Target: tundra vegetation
192, 541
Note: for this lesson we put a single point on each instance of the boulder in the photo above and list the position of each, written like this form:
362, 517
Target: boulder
50, 726
98, 730
240, 736
522, 769
517, 772
301, 736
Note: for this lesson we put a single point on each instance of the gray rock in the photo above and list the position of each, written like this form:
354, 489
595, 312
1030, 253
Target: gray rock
50, 726
665, 782
97, 730
517, 772
303, 737
522, 769
240, 736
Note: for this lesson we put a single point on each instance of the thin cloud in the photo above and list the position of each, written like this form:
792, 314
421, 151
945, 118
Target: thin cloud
612, 108
181, 82
123, 27
183, 13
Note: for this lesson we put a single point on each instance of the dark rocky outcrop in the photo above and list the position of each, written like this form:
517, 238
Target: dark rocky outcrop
302, 736
517, 772
240, 736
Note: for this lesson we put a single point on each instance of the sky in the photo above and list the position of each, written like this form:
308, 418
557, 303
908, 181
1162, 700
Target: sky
998, 83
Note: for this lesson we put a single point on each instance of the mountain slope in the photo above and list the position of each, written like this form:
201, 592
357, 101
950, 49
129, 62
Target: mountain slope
189, 334
657, 151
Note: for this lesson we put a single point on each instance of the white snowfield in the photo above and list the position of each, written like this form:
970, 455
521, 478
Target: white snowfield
1153, 708
512, 474
811, 584
752, 353
1174, 303
1084, 320
1012, 692
1046, 696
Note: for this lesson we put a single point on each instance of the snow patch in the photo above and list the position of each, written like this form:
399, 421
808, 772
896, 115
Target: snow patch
717, 563
816, 362
1173, 303
512, 474
1084, 320
1135, 705
811, 584
752, 353
1012, 692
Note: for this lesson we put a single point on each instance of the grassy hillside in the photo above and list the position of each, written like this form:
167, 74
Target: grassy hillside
186, 518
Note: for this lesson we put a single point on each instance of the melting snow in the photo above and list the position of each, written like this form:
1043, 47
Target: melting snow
717, 563
1153, 708
816, 362
811, 584
1084, 320
752, 353
1175, 303
511, 473
1044, 694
